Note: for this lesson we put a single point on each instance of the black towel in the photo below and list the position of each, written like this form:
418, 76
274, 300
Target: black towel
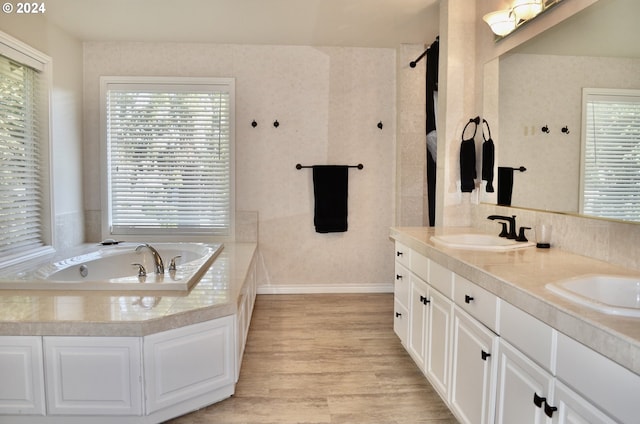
488, 154
467, 165
330, 188
505, 185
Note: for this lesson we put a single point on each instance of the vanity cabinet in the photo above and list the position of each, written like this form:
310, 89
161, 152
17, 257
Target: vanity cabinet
22, 371
93, 375
492, 362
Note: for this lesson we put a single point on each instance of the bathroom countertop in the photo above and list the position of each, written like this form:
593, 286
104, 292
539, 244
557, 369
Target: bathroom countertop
95, 313
519, 277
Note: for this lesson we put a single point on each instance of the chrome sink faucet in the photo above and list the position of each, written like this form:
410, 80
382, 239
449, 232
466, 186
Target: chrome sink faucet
512, 225
157, 259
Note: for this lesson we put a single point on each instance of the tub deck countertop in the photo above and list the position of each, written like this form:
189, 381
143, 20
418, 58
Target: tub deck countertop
519, 277
131, 314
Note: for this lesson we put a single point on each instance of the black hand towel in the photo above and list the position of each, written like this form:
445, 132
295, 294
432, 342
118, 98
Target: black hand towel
505, 185
488, 154
467, 165
330, 188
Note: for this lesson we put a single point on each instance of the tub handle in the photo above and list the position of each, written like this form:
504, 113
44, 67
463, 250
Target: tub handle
172, 264
141, 271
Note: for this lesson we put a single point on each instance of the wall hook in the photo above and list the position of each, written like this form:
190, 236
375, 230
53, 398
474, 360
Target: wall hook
545, 129
565, 130
276, 123
254, 123
380, 124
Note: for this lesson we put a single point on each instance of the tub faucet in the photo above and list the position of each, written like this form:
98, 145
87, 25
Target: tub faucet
512, 225
157, 259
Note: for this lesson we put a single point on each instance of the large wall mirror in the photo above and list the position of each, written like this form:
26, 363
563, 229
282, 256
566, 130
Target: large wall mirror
540, 99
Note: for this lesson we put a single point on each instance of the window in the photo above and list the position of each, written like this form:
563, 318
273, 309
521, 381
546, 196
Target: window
611, 154
25, 215
169, 153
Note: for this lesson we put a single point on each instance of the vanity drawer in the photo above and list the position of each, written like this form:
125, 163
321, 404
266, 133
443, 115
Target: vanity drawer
441, 279
608, 385
529, 335
401, 285
403, 254
476, 301
419, 265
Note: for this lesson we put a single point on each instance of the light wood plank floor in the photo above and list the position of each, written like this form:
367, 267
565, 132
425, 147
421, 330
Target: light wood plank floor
326, 359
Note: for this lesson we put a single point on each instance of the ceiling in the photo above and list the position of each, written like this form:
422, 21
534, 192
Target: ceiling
352, 23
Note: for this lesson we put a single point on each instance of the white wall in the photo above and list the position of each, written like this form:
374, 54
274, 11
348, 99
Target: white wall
328, 102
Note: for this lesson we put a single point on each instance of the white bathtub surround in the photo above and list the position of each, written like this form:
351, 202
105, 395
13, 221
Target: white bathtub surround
137, 345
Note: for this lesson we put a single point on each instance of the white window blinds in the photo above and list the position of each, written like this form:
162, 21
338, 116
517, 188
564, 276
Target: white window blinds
611, 154
169, 146
21, 187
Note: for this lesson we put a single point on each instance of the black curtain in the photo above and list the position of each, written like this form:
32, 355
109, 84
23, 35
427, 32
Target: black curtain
432, 88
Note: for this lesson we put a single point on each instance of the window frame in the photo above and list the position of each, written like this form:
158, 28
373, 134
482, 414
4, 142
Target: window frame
20, 52
168, 234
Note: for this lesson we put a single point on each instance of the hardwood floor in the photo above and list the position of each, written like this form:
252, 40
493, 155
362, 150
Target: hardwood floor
326, 359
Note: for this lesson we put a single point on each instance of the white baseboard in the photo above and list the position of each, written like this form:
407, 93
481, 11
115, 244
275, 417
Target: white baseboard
324, 289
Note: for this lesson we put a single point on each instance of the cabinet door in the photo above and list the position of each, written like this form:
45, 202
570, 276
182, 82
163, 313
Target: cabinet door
523, 388
417, 321
93, 375
21, 375
438, 354
474, 371
187, 362
573, 409
401, 322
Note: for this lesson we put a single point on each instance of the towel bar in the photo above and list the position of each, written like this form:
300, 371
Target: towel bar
359, 166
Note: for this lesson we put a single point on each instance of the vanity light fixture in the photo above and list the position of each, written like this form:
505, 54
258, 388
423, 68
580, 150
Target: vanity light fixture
504, 22
526, 9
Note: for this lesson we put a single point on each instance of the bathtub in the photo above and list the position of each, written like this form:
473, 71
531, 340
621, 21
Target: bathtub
110, 268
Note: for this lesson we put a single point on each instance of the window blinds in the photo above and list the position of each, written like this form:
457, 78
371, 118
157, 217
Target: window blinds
21, 188
169, 158
611, 186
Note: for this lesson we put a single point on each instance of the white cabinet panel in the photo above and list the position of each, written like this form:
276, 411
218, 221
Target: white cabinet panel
93, 375
474, 370
402, 285
21, 376
572, 409
401, 322
523, 388
478, 302
187, 362
437, 358
615, 389
441, 279
418, 314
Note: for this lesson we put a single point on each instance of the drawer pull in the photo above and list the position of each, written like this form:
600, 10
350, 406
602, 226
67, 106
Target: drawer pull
398, 253
398, 277
424, 300
467, 298
549, 410
485, 355
398, 314
538, 401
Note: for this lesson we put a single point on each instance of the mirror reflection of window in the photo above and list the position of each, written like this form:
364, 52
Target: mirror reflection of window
611, 154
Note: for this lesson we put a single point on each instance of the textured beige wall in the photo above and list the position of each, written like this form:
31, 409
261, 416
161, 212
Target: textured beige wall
328, 102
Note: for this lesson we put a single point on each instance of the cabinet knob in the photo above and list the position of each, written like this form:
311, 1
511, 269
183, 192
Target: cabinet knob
425, 300
398, 314
467, 298
485, 355
398, 277
549, 410
398, 253
538, 401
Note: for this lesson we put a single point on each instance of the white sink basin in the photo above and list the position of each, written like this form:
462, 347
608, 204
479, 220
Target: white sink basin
474, 241
614, 295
